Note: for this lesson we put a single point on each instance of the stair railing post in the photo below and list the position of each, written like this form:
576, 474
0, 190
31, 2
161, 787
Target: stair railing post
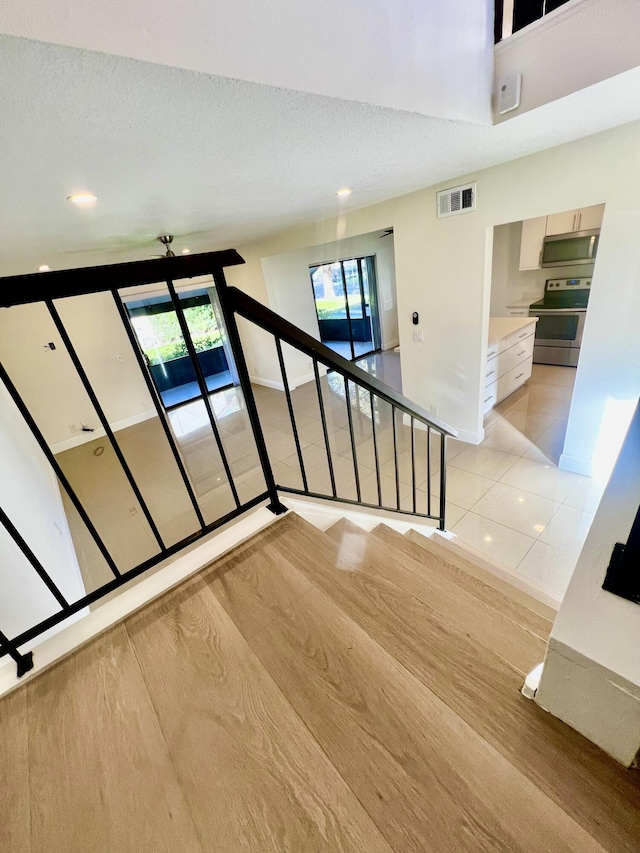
443, 479
228, 314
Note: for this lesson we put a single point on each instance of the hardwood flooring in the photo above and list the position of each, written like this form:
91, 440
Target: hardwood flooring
312, 691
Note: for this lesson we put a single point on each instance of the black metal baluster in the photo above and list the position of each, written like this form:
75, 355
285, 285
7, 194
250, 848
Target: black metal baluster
353, 441
375, 449
413, 466
24, 662
292, 415
31, 557
202, 384
157, 402
323, 419
443, 479
73, 355
428, 470
348, 309
17, 399
395, 455
228, 308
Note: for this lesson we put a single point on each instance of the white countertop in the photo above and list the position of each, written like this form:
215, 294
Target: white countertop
501, 327
525, 302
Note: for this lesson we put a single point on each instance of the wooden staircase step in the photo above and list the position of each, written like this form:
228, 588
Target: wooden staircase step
451, 566
383, 554
427, 779
480, 687
481, 569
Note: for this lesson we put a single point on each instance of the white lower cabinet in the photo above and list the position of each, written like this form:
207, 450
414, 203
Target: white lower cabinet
509, 365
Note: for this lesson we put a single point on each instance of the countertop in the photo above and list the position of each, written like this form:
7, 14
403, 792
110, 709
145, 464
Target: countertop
525, 302
500, 327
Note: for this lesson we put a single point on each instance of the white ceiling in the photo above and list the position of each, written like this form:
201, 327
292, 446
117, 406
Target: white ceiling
424, 56
173, 150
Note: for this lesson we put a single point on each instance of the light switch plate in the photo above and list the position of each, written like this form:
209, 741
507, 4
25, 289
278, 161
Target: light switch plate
509, 89
418, 336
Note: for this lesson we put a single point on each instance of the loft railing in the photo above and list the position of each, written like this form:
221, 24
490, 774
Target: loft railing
391, 446
513, 15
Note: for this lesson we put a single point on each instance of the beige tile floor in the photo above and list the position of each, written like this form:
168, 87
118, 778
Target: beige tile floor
512, 501
506, 497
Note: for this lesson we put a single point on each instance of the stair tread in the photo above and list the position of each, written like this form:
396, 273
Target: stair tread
476, 567
481, 687
380, 554
491, 590
427, 779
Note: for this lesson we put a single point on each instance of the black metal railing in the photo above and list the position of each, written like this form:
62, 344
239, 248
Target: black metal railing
513, 15
393, 449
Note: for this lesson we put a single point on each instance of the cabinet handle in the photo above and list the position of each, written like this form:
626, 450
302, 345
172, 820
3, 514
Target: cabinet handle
487, 400
579, 220
523, 335
573, 223
489, 373
522, 352
519, 375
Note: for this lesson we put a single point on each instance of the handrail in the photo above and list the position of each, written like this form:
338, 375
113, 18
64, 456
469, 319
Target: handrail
268, 320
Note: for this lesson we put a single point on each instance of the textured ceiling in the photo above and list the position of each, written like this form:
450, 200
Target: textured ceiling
424, 56
177, 151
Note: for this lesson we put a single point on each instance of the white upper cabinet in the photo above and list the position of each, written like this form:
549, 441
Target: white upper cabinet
590, 217
585, 219
533, 232
562, 223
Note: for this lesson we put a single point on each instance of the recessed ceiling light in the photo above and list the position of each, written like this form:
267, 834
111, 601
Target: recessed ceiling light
344, 192
185, 251
44, 268
82, 198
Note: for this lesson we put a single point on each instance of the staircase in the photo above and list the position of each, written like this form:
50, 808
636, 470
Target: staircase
337, 691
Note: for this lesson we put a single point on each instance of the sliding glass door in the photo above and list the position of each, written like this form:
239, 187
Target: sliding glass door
345, 296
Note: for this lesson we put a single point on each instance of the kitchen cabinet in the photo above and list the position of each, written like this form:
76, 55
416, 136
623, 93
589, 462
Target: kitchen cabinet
533, 233
509, 357
584, 219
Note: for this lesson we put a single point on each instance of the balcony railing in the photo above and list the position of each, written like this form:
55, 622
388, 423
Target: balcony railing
386, 445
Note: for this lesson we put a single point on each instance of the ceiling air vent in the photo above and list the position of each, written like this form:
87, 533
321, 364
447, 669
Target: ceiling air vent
456, 200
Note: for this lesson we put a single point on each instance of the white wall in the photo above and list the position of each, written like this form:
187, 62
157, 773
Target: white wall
570, 49
443, 271
384, 52
47, 380
509, 283
591, 677
30, 496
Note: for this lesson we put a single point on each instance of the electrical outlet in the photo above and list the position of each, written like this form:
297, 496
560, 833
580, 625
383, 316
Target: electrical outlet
435, 410
119, 359
133, 510
143, 403
75, 427
418, 337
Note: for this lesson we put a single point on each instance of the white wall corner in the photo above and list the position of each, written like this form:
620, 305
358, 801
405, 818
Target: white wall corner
595, 701
268, 383
578, 466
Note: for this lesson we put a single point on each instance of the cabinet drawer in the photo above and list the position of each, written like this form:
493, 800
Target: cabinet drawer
513, 379
493, 370
490, 396
516, 354
517, 337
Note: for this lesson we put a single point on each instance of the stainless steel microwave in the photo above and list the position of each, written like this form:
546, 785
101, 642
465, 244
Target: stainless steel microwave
567, 250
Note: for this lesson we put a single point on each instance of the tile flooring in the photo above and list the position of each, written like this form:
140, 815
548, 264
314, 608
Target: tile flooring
506, 497
509, 499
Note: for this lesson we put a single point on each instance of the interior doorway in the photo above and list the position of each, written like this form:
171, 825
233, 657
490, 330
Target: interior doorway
346, 299
157, 329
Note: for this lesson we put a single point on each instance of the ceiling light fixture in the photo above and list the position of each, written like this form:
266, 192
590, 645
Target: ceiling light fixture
44, 268
82, 198
344, 192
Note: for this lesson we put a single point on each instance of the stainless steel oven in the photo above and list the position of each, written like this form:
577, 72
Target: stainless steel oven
561, 317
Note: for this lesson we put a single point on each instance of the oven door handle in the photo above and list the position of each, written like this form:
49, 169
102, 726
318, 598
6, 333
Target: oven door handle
543, 312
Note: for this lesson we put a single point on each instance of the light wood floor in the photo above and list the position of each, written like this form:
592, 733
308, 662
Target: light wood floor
335, 691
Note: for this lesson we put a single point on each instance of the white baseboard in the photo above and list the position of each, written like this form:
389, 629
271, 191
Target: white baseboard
293, 383
84, 437
392, 344
269, 383
471, 437
578, 466
49, 651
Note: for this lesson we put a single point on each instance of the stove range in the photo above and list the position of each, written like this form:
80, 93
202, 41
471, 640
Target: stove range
561, 315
